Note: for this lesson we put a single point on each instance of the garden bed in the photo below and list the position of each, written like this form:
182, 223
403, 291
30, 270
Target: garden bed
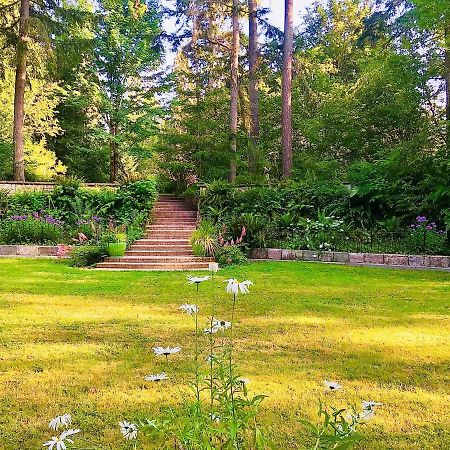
379, 259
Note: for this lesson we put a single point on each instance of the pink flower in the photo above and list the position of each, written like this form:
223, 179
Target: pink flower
63, 250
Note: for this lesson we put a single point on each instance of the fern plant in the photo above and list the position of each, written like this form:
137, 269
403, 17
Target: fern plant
204, 240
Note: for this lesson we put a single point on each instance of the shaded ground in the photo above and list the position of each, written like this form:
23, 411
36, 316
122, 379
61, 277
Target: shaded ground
80, 341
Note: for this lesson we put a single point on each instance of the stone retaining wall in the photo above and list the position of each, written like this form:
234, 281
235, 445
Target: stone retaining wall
30, 251
16, 186
353, 258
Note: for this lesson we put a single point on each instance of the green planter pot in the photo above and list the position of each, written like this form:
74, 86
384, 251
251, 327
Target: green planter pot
117, 249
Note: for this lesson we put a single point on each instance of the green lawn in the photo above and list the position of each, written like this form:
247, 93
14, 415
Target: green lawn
80, 341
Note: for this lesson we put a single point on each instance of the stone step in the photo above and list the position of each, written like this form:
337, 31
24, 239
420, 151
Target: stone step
172, 207
153, 266
162, 252
171, 226
174, 227
158, 259
162, 241
163, 247
173, 233
171, 210
174, 220
174, 213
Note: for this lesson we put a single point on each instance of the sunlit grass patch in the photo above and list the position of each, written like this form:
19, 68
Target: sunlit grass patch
80, 341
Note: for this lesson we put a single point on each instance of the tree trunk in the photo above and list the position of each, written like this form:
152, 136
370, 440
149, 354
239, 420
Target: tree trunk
113, 153
234, 92
19, 92
253, 82
287, 90
447, 87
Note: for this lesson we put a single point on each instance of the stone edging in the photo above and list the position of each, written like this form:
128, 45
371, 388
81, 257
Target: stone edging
30, 251
437, 262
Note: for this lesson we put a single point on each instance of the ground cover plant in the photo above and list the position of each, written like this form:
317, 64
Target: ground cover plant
76, 341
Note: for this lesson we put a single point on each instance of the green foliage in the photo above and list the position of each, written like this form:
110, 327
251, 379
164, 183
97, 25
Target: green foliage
91, 212
335, 430
325, 215
30, 230
230, 255
86, 255
27, 202
133, 198
222, 413
204, 239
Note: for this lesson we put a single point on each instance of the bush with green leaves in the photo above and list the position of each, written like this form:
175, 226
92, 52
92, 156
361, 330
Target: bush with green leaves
230, 255
79, 210
87, 255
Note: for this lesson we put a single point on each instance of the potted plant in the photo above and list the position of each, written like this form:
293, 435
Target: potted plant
117, 242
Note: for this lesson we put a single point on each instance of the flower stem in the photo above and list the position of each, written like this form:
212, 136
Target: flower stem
231, 357
211, 348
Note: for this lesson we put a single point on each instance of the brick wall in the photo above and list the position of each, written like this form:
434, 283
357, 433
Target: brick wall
376, 259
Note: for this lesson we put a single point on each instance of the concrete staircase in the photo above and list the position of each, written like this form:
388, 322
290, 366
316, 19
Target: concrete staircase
166, 245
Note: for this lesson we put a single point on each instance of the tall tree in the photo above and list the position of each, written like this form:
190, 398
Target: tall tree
234, 90
19, 92
126, 53
288, 48
253, 81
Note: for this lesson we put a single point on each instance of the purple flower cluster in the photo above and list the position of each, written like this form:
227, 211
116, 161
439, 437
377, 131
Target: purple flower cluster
53, 221
38, 216
19, 218
422, 223
94, 219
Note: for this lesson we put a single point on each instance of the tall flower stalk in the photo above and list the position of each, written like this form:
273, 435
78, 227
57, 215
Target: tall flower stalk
213, 268
234, 287
197, 281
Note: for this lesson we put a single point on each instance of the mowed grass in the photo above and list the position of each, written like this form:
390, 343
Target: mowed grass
79, 341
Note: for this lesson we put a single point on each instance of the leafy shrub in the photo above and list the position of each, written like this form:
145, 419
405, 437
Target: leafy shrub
231, 255
204, 239
31, 229
28, 202
86, 211
4, 200
86, 255
134, 198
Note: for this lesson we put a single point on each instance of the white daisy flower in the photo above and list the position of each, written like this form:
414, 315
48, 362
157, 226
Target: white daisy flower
233, 286
165, 351
157, 377
61, 421
349, 429
332, 385
243, 380
197, 280
59, 443
129, 430
189, 309
213, 267
217, 325
366, 414
244, 286
370, 405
